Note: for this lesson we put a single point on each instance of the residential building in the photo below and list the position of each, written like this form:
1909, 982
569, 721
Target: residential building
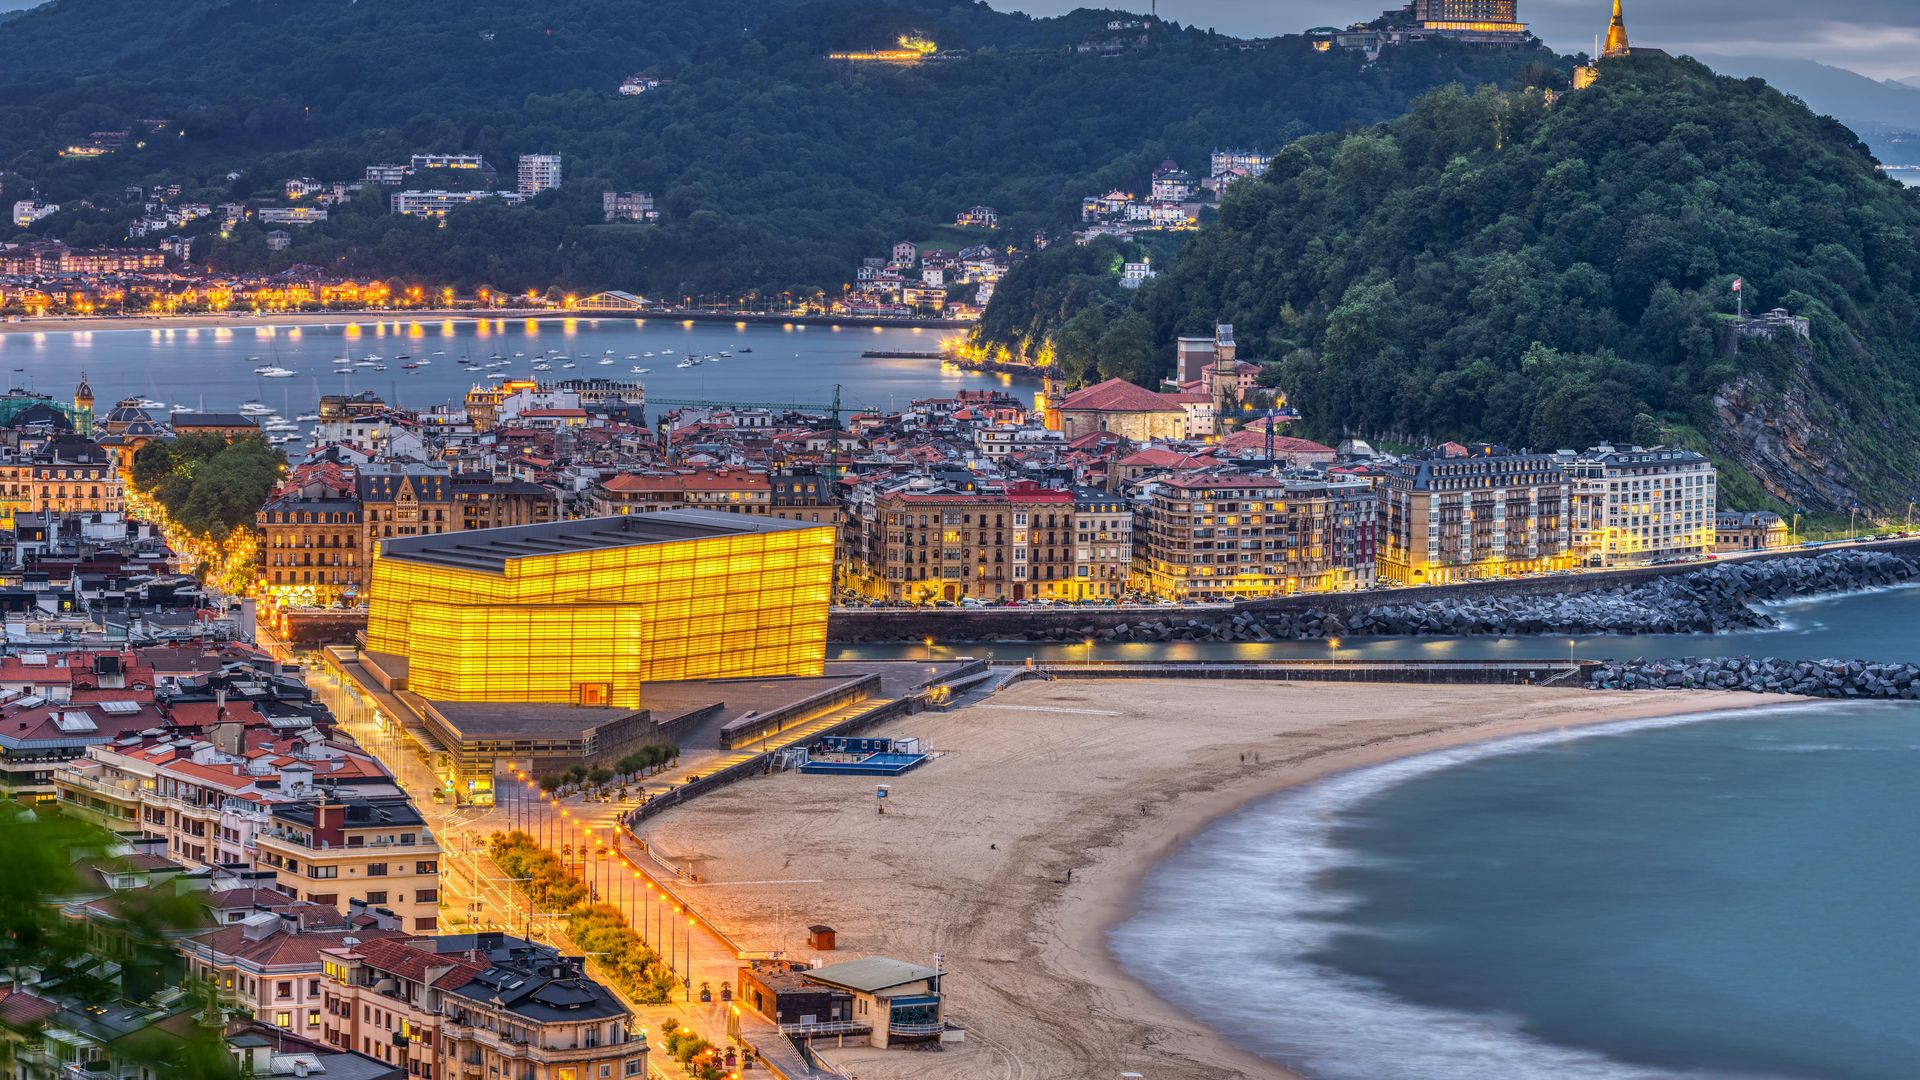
445, 161
1752, 530
1222, 535
477, 1006
28, 211
1457, 513
329, 851
627, 206
291, 215
387, 175
440, 203
978, 217
538, 173
1102, 546
268, 964
1633, 506
279, 240
313, 550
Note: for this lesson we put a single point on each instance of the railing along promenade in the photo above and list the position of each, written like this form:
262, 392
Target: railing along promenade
1539, 672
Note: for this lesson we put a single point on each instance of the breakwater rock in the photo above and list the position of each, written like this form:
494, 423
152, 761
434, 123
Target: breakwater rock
1803, 678
1712, 599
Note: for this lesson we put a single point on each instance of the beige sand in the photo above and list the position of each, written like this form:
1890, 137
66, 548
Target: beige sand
970, 857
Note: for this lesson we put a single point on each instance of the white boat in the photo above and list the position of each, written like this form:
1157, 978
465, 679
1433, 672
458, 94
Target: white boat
649, 354
609, 360
686, 363
423, 360
282, 425
149, 403
343, 359
273, 372
308, 418
254, 408
640, 370
281, 440
568, 364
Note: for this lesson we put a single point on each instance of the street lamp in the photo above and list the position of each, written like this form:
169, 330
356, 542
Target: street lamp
689, 958
1087, 656
929, 644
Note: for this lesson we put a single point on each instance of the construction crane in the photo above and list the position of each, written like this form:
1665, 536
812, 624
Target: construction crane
1272, 415
833, 411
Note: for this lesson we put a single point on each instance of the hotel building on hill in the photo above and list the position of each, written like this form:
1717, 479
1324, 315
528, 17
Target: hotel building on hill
583, 612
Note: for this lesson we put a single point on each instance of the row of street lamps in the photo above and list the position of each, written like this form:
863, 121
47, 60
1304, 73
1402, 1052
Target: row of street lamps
622, 894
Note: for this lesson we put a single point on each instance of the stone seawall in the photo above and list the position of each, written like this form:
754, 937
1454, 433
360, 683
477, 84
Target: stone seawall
1663, 600
1803, 678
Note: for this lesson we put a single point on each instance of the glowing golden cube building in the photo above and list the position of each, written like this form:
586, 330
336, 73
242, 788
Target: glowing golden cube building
584, 612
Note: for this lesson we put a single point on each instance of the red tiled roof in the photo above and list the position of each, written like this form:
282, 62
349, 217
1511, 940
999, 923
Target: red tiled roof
284, 949
402, 959
1118, 395
1158, 457
1282, 444
19, 1009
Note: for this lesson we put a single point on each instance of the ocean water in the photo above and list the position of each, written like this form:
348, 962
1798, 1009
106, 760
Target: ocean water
1700, 897
212, 368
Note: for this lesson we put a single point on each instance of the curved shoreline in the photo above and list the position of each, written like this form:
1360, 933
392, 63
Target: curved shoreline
1090, 929
1034, 830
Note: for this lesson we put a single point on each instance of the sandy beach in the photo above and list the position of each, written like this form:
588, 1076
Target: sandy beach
1101, 779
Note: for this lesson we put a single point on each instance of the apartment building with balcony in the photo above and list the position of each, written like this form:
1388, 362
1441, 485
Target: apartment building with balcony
1460, 513
477, 1007
1102, 545
1633, 506
268, 965
1220, 535
313, 549
378, 850
923, 539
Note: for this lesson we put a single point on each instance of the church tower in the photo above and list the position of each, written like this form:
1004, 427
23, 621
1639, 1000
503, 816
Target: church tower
83, 407
1616, 35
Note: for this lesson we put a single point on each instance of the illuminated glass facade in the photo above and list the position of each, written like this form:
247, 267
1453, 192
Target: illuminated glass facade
584, 612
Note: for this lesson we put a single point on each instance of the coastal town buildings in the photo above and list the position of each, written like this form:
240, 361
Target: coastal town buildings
1223, 535
1632, 506
1459, 513
476, 1005
1748, 530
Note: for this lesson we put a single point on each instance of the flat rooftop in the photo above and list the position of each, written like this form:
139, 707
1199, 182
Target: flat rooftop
491, 549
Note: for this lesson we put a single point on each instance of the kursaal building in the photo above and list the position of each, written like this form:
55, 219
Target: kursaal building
585, 612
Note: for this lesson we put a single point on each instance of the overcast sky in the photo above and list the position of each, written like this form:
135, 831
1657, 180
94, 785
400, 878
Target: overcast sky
1874, 37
